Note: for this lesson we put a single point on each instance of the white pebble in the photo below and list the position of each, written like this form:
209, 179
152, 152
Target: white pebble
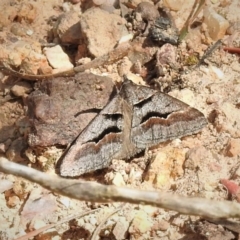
29, 32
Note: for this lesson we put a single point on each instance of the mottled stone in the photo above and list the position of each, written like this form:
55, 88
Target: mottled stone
233, 148
21, 88
62, 107
103, 30
58, 58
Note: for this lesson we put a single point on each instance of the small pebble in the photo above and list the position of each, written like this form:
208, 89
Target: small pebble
162, 225
93, 221
233, 148
29, 32
21, 88
216, 23
147, 10
121, 228
58, 58
66, 7
13, 201
118, 180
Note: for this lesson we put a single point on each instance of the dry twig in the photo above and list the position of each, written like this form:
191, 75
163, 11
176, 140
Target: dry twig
197, 7
109, 58
95, 192
45, 228
98, 229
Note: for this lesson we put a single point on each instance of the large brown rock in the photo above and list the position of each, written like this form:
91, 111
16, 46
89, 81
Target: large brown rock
60, 108
102, 30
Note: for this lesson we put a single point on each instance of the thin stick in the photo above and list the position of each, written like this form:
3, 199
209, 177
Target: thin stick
45, 228
98, 229
197, 7
95, 192
109, 58
208, 52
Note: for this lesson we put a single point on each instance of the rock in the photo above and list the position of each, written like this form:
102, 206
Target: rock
30, 154
27, 13
134, 78
66, 202
26, 55
161, 225
167, 55
124, 66
141, 52
32, 63
233, 148
118, 180
213, 231
37, 223
161, 172
29, 32
148, 11
93, 221
58, 58
216, 24
44, 68
120, 230
22, 188
9, 57
178, 221
2, 148
67, 28
195, 157
103, 30
56, 109
21, 88
160, 163
212, 99
67, 6
162, 181
18, 29
140, 224
166, 58
16, 150
13, 201
10, 12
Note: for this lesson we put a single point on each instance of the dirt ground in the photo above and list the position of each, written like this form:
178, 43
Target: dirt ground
198, 165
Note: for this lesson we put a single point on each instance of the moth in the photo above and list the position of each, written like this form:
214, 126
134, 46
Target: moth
136, 118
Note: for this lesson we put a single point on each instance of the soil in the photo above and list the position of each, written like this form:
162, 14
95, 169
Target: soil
34, 134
